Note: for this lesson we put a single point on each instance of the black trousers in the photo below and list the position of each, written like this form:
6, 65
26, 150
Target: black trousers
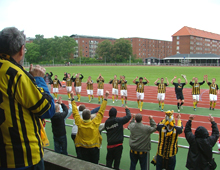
89, 154
114, 154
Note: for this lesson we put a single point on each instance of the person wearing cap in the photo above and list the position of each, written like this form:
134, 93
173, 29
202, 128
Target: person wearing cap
200, 145
167, 144
88, 137
140, 141
140, 90
115, 136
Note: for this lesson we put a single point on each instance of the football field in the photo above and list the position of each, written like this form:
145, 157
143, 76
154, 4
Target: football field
150, 106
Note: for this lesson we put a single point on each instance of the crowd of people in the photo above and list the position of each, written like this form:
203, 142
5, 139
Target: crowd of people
25, 100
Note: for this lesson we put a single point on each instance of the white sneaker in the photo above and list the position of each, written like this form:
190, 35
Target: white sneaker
116, 100
89, 101
113, 102
178, 111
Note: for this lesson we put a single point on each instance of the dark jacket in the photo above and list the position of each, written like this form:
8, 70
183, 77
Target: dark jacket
49, 77
58, 123
114, 128
200, 146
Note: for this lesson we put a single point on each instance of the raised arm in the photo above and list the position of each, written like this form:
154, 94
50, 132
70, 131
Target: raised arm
132, 122
188, 131
126, 118
51, 74
207, 79
134, 81
167, 81
186, 80
75, 111
156, 81
146, 80
173, 79
215, 132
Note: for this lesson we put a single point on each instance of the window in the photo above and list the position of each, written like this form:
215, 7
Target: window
139, 44
83, 41
177, 47
139, 53
191, 48
77, 41
177, 37
177, 43
191, 42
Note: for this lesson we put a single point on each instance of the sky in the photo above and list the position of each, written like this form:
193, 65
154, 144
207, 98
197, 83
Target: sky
155, 19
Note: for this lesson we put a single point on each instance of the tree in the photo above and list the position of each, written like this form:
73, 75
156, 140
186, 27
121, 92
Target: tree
33, 53
122, 50
104, 50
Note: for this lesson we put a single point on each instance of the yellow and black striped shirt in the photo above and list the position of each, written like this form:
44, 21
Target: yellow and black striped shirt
69, 82
162, 87
78, 81
56, 83
21, 101
114, 83
213, 88
168, 146
89, 85
140, 86
100, 84
123, 84
196, 87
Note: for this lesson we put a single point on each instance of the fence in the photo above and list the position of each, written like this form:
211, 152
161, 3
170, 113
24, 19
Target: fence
152, 141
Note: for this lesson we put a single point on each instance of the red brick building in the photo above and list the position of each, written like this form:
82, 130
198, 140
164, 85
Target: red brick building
194, 41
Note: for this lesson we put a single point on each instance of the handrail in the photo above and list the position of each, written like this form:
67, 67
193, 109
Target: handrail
152, 141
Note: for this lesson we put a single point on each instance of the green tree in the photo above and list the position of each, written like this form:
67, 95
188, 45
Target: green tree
104, 50
122, 50
33, 53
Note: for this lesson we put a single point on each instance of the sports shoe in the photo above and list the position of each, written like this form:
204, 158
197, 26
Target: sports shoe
99, 102
140, 109
122, 105
213, 108
210, 108
178, 110
194, 109
161, 110
89, 101
113, 102
116, 100
184, 76
159, 107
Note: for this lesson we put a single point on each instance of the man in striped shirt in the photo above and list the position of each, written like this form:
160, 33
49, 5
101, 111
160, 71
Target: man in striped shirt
89, 88
161, 91
140, 90
196, 90
123, 89
114, 83
213, 91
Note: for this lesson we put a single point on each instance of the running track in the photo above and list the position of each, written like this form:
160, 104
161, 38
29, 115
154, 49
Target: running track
151, 97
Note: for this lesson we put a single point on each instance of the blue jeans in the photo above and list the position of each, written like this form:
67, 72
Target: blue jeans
60, 144
142, 159
168, 164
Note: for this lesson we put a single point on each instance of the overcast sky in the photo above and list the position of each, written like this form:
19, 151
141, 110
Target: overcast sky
156, 19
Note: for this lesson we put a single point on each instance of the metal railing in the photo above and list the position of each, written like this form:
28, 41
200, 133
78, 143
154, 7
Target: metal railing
152, 141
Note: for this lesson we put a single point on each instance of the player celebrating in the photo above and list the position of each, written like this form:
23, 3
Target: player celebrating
78, 82
114, 83
196, 90
123, 92
161, 91
140, 90
100, 81
69, 81
89, 88
213, 90
56, 84
179, 91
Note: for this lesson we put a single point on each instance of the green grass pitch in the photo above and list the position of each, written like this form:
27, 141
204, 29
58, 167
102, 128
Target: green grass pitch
130, 72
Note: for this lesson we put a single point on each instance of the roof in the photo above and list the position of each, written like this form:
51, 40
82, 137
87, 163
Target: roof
152, 58
93, 37
196, 32
193, 56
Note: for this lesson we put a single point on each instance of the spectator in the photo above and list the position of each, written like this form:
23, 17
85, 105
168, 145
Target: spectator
115, 136
48, 80
88, 138
24, 97
59, 129
140, 141
200, 145
167, 146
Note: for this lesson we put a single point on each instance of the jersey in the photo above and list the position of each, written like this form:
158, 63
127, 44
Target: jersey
179, 88
161, 87
89, 85
78, 81
123, 84
69, 81
100, 84
213, 88
140, 86
21, 102
196, 87
114, 83
56, 83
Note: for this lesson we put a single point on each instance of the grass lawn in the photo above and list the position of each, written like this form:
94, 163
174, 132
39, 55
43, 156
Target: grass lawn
150, 72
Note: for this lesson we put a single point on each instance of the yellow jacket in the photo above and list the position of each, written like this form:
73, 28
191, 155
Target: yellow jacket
88, 135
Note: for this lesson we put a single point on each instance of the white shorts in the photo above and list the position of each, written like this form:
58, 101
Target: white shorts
213, 97
124, 93
161, 96
114, 91
196, 97
89, 92
69, 88
78, 89
55, 90
100, 92
140, 96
